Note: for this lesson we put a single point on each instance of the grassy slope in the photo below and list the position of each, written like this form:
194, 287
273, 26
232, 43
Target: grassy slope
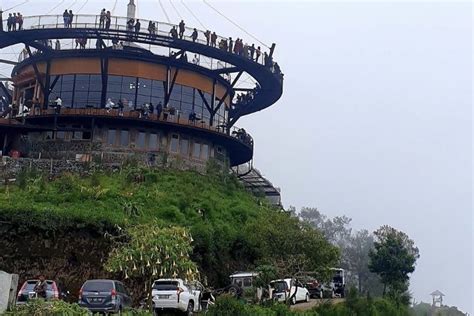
172, 197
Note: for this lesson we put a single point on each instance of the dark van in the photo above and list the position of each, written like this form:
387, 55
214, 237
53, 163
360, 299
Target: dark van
105, 296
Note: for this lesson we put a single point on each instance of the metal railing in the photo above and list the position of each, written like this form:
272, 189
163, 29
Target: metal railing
176, 118
120, 24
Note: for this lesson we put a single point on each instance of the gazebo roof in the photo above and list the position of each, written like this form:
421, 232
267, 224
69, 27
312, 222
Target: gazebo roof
437, 293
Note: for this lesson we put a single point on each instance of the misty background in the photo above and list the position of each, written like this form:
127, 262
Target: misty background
375, 121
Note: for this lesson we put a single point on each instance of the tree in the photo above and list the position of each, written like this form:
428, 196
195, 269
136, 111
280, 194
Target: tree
150, 252
355, 259
290, 245
393, 259
336, 230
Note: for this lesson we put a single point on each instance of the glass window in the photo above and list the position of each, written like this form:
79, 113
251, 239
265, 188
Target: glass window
205, 151
124, 138
174, 143
153, 141
60, 135
196, 150
184, 147
86, 135
77, 135
140, 143
111, 135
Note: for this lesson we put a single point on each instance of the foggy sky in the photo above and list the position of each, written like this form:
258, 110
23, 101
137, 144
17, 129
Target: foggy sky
375, 120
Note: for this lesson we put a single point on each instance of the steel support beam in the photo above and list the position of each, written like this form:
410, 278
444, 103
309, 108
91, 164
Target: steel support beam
227, 93
171, 86
8, 62
226, 70
5, 90
47, 84
205, 101
104, 71
37, 73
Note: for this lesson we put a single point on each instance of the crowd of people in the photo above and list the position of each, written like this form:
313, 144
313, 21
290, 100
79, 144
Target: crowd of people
15, 22
243, 99
237, 46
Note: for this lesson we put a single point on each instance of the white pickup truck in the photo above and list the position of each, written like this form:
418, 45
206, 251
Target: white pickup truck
176, 295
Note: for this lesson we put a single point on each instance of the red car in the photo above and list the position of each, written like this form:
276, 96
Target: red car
27, 291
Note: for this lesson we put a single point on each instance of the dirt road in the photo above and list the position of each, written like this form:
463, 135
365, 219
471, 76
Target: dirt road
314, 302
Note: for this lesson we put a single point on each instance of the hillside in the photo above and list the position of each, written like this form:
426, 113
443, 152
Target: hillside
63, 227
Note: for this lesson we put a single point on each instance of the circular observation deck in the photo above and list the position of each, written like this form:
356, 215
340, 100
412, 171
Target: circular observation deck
146, 59
37, 30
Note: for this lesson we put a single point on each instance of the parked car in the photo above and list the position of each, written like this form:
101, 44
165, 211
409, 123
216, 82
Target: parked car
337, 286
283, 289
244, 280
104, 296
27, 291
176, 295
314, 287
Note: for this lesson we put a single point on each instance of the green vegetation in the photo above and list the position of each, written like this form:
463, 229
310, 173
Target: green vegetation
231, 229
227, 306
41, 308
60, 308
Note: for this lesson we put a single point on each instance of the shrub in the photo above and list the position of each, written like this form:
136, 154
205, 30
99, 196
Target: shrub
47, 308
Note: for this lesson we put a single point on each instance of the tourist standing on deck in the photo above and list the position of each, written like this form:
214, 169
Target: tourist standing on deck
108, 20
159, 109
258, 52
66, 18
36, 107
57, 45
213, 39
58, 103
194, 36
10, 22
174, 32
109, 105
71, 18
231, 45
19, 20
120, 107
102, 18
138, 26
207, 34
252, 51
14, 22
181, 29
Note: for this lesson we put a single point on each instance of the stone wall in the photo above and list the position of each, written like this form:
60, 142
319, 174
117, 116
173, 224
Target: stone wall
10, 167
8, 289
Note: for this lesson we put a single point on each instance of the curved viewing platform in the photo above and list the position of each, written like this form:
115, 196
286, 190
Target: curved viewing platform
39, 31
166, 117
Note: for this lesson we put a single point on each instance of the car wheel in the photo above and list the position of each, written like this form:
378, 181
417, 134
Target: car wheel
233, 291
190, 310
306, 298
155, 312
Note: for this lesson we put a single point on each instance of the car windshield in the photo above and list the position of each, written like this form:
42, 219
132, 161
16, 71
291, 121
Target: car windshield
165, 285
98, 286
279, 286
30, 285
